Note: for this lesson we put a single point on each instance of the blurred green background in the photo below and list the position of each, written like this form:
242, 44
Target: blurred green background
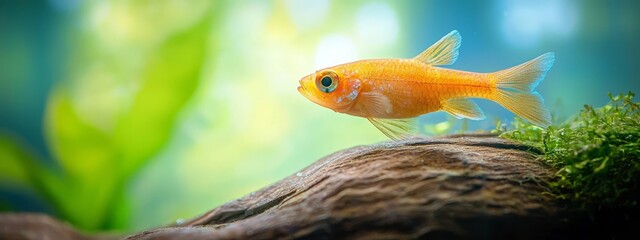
127, 114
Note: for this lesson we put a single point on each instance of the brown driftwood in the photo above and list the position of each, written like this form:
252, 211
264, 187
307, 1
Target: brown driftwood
39, 226
466, 187
437, 188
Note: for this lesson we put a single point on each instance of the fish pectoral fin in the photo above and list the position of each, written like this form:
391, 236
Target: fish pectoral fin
443, 52
396, 129
463, 108
376, 104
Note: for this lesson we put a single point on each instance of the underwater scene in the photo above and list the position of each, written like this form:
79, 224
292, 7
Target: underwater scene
123, 115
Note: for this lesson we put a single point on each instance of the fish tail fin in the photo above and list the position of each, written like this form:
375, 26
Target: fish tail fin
515, 89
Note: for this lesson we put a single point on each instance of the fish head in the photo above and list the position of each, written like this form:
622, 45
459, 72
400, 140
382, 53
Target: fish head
331, 88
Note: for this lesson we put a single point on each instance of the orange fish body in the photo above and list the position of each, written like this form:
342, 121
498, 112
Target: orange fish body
413, 88
392, 93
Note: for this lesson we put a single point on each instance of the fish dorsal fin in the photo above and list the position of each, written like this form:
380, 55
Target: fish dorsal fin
443, 52
463, 108
376, 104
396, 129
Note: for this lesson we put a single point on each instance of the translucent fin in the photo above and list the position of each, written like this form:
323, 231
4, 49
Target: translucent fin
443, 52
525, 77
463, 108
396, 129
528, 105
516, 89
376, 104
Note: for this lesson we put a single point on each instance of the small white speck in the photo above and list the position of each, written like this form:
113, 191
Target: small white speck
356, 84
299, 174
352, 95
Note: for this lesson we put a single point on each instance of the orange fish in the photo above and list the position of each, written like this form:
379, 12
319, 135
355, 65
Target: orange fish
392, 93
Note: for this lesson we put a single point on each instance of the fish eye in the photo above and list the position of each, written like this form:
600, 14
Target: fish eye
327, 82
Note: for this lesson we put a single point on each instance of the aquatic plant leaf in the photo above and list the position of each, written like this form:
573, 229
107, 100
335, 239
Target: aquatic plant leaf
85, 154
14, 167
22, 173
169, 79
98, 162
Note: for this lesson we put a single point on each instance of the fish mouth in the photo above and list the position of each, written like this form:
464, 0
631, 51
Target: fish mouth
302, 90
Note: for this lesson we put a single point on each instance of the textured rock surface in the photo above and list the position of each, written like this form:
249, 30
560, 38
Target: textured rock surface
452, 187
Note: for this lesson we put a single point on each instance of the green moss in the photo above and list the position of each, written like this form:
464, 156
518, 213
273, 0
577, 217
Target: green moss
597, 154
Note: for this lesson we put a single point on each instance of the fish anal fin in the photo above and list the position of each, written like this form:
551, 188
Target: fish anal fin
443, 52
463, 108
376, 104
396, 129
